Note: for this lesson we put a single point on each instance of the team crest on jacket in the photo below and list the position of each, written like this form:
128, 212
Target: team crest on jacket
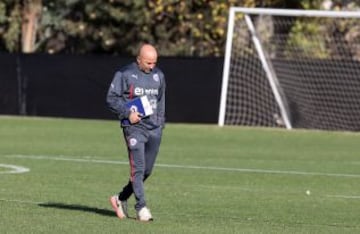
132, 141
156, 77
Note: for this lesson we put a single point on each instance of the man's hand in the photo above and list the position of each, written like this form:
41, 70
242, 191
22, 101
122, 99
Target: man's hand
134, 117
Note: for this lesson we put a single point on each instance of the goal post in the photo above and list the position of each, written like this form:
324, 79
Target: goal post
285, 68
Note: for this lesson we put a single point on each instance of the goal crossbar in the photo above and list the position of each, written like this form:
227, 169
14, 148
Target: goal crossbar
293, 12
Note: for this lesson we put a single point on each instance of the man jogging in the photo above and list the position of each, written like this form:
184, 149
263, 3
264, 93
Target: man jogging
142, 134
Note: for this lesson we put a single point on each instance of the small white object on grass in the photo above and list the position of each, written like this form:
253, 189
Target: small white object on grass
308, 192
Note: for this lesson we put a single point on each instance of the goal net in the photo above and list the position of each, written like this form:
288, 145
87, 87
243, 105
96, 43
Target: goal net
292, 69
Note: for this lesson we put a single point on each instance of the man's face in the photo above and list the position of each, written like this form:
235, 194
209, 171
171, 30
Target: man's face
147, 64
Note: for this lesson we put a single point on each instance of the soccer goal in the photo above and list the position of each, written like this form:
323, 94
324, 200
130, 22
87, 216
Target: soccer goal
292, 69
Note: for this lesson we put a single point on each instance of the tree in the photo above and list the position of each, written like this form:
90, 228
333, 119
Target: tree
184, 28
10, 25
178, 28
19, 21
31, 13
347, 31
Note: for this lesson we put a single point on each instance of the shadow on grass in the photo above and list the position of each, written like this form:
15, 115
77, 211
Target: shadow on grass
77, 207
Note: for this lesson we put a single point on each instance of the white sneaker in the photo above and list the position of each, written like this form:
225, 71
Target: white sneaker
144, 215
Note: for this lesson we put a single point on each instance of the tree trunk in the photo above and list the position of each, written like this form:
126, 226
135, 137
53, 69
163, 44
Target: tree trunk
31, 16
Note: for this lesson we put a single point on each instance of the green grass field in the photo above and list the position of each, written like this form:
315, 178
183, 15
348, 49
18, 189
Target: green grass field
207, 179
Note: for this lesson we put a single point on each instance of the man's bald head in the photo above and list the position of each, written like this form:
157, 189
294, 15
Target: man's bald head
147, 58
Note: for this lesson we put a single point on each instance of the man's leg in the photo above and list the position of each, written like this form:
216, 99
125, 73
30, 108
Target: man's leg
136, 139
126, 192
151, 150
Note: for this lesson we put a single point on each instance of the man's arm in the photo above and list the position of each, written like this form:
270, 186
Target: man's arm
114, 98
161, 103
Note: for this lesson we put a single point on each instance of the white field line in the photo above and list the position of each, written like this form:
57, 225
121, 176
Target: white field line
13, 169
246, 170
344, 196
20, 201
